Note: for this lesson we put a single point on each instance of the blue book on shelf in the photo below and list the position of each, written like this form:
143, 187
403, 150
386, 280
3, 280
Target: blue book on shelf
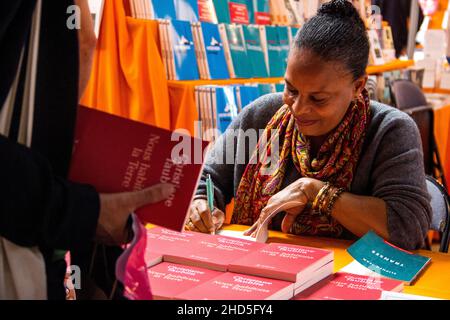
381, 257
214, 51
264, 88
222, 11
279, 87
283, 40
186, 10
276, 63
248, 94
255, 51
238, 51
226, 107
164, 9
183, 51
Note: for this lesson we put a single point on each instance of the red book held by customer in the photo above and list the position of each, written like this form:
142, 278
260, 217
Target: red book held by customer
115, 154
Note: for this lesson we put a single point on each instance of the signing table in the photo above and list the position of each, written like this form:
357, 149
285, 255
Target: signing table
434, 281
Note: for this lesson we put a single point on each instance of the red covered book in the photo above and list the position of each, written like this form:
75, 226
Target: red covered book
283, 261
234, 286
347, 286
167, 280
168, 242
115, 154
212, 251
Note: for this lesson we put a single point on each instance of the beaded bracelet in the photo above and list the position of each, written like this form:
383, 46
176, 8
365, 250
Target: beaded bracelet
331, 200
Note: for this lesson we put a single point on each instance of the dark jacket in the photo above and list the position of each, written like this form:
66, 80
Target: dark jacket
38, 206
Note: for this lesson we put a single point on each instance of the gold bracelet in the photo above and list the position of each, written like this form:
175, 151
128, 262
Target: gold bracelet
318, 199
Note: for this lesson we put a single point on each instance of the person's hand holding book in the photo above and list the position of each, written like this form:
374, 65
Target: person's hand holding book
115, 209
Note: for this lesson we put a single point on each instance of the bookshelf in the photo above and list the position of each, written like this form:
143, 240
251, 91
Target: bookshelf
183, 109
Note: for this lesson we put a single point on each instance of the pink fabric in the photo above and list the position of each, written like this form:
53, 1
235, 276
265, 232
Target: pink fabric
131, 268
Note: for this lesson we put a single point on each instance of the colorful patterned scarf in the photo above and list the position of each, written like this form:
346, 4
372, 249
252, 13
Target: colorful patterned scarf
335, 162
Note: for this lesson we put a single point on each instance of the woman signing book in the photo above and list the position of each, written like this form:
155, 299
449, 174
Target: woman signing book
344, 165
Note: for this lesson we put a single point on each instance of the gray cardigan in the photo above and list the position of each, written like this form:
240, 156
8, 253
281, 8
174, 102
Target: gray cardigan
390, 167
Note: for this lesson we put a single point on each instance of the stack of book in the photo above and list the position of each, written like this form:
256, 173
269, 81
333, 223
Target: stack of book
217, 106
218, 267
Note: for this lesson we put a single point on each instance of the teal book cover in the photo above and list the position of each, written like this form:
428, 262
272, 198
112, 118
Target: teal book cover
279, 87
382, 257
283, 40
238, 51
222, 11
260, 12
255, 51
264, 88
294, 31
276, 63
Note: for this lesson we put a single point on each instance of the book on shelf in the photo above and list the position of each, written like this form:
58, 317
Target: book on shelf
161, 9
234, 286
283, 262
255, 51
168, 280
181, 57
215, 56
222, 10
186, 10
238, 51
207, 11
347, 286
374, 255
261, 12
239, 11
376, 53
115, 154
274, 52
284, 43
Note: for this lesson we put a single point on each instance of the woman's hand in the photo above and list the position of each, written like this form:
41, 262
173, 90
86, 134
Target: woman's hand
115, 209
292, 200
201, 219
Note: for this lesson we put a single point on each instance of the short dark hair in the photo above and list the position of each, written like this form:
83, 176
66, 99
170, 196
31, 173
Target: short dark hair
337, 33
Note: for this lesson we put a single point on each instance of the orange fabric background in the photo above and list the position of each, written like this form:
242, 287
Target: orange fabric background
128, 77
438, 16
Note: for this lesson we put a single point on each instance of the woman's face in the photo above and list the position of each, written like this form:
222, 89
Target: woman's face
318, 93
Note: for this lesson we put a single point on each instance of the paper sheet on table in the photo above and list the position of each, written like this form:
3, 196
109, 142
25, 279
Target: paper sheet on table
389, 295
235, 234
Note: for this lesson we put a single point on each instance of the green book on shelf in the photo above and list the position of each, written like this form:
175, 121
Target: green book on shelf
238, 51
222, 11
255, 52
283, 40
265, 88
276, 63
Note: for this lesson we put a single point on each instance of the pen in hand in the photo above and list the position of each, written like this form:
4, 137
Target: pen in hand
210, 196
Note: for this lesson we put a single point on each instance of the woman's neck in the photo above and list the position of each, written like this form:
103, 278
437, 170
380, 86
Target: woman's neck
315, 144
